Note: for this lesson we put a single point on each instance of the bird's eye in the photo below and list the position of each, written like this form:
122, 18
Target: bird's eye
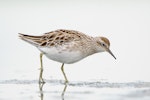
103, 44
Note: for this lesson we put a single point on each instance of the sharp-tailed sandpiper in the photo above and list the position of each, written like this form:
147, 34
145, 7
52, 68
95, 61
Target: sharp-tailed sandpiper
66, 46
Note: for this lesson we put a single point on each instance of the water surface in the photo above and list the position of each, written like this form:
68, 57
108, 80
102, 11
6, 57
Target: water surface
81, 90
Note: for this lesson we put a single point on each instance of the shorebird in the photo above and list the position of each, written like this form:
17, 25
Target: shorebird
66, 46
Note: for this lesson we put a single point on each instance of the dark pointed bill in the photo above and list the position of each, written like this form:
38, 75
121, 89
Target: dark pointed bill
109, 51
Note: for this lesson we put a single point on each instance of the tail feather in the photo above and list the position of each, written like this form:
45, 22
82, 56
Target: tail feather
34, 40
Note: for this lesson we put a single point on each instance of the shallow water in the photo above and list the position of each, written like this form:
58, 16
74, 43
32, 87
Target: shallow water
58, 90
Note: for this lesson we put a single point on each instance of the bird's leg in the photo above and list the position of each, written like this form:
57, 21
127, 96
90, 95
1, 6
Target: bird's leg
62, 69
41, 80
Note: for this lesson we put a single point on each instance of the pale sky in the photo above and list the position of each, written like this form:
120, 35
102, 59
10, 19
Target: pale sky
125, 22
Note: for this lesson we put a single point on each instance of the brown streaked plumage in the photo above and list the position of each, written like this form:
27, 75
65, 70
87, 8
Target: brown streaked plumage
57, 37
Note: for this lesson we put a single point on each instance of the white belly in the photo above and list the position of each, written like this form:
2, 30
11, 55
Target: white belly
62, 55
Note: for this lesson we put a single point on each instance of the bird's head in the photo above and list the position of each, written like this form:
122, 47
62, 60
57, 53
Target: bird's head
103, 45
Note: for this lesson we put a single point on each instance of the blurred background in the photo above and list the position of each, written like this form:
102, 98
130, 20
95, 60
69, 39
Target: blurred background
126, 23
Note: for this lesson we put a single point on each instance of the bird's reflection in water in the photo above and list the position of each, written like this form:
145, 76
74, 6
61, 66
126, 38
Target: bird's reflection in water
41, 90
64, 90
42, 93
